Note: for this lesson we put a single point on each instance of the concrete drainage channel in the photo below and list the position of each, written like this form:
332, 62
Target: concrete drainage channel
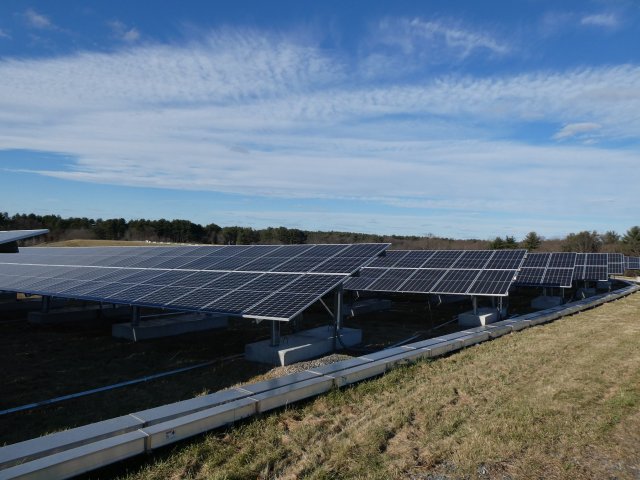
78, 450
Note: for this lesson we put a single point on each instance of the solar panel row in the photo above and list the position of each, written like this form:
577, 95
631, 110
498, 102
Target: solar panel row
478, 272
343, 259
265, 282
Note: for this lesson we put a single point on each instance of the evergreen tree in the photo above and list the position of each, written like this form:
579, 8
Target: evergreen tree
532, 241
631, 241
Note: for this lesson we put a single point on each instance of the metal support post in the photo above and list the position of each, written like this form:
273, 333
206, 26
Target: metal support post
135, 316
275, 333
337, 316
474, 301
46, 303
499, 307
339, 307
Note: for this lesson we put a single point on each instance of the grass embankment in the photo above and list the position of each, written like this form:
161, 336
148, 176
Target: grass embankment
555, 401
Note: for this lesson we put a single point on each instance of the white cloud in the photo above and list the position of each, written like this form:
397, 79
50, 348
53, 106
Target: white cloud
431, 39
122, 32
607, 20
4, 34
37, 20
573, 129
246, 113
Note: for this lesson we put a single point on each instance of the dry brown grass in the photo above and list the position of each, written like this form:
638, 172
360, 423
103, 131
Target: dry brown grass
556, 401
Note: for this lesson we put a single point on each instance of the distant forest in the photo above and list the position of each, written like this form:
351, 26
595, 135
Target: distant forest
185, 231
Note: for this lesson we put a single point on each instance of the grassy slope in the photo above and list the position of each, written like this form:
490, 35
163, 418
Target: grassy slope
556, 401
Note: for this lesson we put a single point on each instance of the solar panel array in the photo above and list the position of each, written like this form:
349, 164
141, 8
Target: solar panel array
260, 281
591, 266
15, 235
468, 272
547, 270
632, 263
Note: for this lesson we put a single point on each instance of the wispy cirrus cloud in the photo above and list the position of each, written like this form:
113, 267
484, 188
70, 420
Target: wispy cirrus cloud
4, 34
429, 37
37, 20
123, 32
247, 112
574, 129
607, 20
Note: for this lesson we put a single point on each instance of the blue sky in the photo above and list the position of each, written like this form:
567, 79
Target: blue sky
464, 119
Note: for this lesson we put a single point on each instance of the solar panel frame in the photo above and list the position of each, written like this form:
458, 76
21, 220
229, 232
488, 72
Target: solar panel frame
9, 236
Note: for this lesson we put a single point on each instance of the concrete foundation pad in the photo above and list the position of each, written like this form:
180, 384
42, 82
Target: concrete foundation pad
545, 301
484, 316
169, 326
76, 314
301, 346
370, 305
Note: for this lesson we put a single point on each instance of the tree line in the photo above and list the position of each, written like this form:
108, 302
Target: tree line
185, 231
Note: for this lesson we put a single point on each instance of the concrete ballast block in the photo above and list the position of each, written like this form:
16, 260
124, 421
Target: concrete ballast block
283, 396
193, 424
169, 326
301, 346
66, 440
70, 463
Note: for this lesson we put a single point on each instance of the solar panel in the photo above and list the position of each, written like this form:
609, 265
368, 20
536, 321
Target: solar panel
591, 266
506, 260
390, 258
632, 263
9, 236
250, 281
414, 259
530, 276
492, 282
423, 281
615, 263
536, 260
558, 277
456, 281
392, 279
547, 270
443, 259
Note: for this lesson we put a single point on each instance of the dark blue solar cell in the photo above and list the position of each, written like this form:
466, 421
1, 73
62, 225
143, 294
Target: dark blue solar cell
132, 293
237, 301
196, 299
506, 259
340, 265
263, 264
492, 282
282, 305
316, 284
270, 282
163, 296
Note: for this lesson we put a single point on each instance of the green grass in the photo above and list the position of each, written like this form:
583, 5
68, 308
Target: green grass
556, 401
